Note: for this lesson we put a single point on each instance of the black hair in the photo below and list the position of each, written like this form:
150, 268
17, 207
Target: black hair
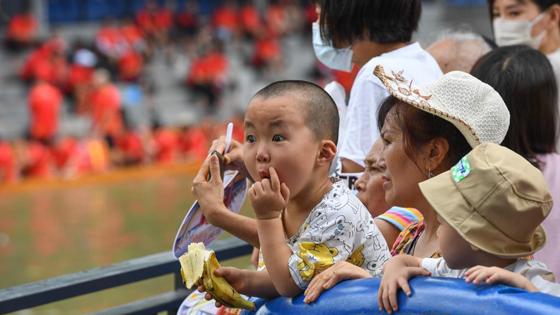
419, 127
542, 4
321, 114
380, 21
525, 79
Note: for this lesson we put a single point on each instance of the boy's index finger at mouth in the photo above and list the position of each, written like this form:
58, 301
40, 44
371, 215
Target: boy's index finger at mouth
274, 180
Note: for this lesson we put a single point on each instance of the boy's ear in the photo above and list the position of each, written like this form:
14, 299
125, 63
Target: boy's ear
327, 152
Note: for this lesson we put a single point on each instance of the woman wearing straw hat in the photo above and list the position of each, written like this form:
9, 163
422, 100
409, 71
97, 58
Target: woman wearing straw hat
425, 132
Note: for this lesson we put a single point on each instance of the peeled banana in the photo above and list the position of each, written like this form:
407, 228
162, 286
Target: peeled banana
199, 263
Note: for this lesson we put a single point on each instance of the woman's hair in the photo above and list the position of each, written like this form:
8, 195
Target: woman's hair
419, 127
525, 79
380, 21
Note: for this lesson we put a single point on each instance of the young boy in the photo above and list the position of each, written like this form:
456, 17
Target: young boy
305, 222
490, 206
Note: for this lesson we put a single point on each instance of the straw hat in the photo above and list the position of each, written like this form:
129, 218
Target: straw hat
473, 106
495, 199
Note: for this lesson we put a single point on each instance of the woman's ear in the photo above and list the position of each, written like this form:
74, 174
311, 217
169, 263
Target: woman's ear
437, 153
554, 13
327, 152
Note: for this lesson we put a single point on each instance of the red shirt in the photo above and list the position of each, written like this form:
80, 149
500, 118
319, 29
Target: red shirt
250, 19
208, 69
39, 158
64, 151
166, 143
225, 17
267, 49
346, 79
217, 66
22, 28
154, 21
106, 103
193, 143
79, 76
130, 65
132, 146
7, 163
310, 13
38, 62
163, 19
132, 34
44, 105
186, 19
109, 40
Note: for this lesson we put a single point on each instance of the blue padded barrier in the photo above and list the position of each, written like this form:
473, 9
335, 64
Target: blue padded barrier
429, 296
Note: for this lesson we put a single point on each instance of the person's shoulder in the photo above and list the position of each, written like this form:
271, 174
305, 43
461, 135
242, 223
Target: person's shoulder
415, 63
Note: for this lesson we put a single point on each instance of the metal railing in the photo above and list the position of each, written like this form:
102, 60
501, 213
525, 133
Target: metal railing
98, 279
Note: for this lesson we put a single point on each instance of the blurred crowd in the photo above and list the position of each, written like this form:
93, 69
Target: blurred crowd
87, 74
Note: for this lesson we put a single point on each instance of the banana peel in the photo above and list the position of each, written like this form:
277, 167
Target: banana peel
199, 263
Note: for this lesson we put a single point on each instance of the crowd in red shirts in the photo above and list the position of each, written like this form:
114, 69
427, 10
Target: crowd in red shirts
87, 72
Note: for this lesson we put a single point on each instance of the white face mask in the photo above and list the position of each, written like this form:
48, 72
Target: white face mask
334, 58
508, 32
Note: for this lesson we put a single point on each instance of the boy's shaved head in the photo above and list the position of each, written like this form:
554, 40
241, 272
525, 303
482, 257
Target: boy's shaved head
321, 113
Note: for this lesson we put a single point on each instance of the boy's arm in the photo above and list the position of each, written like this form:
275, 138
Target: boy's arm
491, 275
269, 198
238, 225
276, 255
248, 282
260, 284
210, 195
396, 273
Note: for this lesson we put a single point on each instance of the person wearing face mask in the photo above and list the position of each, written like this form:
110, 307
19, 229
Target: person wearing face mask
368, 33
535, 23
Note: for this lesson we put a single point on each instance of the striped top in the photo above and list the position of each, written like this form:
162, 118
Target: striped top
401, 217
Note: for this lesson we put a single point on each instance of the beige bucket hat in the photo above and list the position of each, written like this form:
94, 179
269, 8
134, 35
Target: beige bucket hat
474, 107
495, 199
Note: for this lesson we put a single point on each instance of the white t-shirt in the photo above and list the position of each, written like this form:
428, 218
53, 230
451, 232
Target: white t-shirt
368, 93
533, 270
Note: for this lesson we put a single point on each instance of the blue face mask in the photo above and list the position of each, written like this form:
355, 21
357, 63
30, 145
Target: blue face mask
334, 58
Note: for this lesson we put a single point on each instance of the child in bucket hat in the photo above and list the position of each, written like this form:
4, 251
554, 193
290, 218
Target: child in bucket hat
490, 206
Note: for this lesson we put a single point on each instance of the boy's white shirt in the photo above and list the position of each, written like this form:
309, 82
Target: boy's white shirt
533, 270
368, 93
337, 227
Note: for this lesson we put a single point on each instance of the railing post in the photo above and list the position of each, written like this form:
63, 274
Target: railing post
178, 284
178, 279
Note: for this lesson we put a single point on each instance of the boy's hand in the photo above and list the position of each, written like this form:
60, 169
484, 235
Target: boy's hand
210, 193
396, 274
235, 277
491, 275
233, 159
340, 271
269, 197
